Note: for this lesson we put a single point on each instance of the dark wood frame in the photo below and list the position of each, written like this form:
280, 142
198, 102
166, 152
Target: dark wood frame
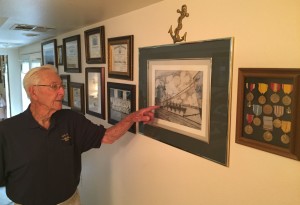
67, 89
80, 86
101, 92
220, 51
100, 31
121, 86
60, 59
270, 139
128, 40
76, 39
54, 50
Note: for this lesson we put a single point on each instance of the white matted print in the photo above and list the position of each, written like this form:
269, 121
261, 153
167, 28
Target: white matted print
182, 88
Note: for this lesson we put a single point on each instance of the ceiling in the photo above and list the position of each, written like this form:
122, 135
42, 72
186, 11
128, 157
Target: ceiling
43, 19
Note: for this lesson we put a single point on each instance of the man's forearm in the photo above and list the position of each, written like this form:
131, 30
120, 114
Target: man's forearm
115, 132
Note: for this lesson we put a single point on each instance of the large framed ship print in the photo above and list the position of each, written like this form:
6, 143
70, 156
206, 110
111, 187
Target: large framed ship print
191, 83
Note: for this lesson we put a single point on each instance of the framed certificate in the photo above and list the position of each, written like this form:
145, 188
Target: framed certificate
120, 57
72, 54
95, 45
95, 91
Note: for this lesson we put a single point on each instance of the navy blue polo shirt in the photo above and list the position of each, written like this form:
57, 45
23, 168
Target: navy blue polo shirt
40, 166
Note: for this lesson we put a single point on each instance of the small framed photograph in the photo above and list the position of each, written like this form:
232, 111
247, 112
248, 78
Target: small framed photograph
95, 45
49, 52
72, 54
77, 97
268, 115
60, 55
66, 83
121, 101
95, 91
120, 57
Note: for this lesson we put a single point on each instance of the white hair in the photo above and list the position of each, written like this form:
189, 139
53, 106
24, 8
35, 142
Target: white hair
33, 76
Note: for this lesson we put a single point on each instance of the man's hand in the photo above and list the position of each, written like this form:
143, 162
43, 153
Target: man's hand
144, 115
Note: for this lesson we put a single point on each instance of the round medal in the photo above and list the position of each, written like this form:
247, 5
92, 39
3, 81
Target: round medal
267, 109
249, 96
275, 98
248, 129
256, 121
286, 100
277, 123
262, 99
268, 136
285, 139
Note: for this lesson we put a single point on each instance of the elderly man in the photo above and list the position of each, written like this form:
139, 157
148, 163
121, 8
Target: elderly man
40, 149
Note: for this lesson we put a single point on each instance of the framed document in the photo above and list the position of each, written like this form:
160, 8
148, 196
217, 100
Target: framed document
77, 97
268, 110
120, 57
72, 54
95, 91
95, 45
49, 52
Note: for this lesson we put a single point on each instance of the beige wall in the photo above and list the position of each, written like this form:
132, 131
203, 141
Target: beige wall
140, 171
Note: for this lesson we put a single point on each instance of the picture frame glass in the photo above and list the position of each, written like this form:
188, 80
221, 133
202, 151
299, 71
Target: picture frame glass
49, 52
121, 102
95, 45
94, 92
182, 89
72, 54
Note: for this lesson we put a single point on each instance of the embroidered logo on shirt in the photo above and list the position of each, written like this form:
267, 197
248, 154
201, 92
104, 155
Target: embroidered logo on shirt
66, 137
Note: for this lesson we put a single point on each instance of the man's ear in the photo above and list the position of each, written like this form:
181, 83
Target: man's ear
32, 92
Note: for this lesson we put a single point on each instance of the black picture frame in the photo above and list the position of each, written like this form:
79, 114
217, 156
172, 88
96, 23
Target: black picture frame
49, 52
120, 57
95, 91
219, 50
95, 45
268, 114
66, 82
121, 101
77, 97
72, 54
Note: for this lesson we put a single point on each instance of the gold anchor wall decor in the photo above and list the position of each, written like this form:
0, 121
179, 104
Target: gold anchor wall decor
175, 36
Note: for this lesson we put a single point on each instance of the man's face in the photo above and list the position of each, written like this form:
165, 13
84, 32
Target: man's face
49, 92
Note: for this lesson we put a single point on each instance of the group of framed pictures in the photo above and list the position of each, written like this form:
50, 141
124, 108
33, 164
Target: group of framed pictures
191, 83
120, 53
121, 98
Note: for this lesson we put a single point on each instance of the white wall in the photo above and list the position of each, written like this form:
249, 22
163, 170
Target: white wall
14, 67
138, 170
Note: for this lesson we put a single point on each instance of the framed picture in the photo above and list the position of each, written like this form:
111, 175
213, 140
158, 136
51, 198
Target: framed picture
95, 45
120, 57
60, 55
95, 91
182, 89
49, 52
72, 54
268, 110
66, 82
191, 82
77, 97
121, 101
